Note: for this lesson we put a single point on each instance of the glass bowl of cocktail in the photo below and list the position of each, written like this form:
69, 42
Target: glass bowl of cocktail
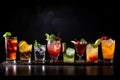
53, 46
25, 51
80, 46
92, 51
68, 53
108, 49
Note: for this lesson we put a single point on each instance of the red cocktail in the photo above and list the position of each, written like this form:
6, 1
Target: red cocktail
80, 47
54, 48
11, 48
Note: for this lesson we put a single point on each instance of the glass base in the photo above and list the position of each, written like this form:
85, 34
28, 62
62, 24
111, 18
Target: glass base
80, 61
10, 61
40, 61
108, 60
53, 61
25, 61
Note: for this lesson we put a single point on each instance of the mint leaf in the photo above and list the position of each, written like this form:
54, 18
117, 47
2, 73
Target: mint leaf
82, 40
7, 35
36, 44
47, 36
52, 37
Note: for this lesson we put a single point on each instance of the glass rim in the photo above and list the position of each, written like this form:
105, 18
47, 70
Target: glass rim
12, 38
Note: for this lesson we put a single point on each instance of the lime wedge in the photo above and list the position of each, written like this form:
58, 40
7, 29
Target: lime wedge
70, 52
98, 41
63, 47
7, 35
94, 45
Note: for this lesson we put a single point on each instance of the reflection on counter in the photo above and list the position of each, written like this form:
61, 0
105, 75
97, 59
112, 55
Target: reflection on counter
91, 70
24, 70
68, 70
107, 70
43, 70
10, 70
38, 70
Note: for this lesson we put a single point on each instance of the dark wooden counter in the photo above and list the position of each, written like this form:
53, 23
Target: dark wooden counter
78, 70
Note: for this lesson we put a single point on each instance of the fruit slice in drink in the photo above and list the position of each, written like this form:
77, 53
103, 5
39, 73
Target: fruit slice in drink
25, 50
68, 56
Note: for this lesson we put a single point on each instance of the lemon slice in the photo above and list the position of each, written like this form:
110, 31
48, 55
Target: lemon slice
22, 43
23, 46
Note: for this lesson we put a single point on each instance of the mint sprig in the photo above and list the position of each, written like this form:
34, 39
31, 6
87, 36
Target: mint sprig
7, 35
82, 40
50, 37
36, 44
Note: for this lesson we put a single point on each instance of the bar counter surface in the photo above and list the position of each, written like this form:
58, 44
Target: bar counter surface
59, 69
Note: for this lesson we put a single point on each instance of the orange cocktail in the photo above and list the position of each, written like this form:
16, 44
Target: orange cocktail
108, 48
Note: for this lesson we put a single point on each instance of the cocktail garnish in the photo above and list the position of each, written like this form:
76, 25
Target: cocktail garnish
74, 42
7, 35
63, 47
50, 37
70, 52
36, 44
82, 40
97, 42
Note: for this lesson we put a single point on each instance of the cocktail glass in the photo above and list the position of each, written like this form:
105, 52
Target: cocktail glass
54, 48
25, 53
69, 55
91, 53
108, 48
39, 53
11, 49
80, 50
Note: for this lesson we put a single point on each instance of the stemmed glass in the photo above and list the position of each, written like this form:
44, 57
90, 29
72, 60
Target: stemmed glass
80, 47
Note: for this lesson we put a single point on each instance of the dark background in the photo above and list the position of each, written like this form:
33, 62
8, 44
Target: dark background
68, 20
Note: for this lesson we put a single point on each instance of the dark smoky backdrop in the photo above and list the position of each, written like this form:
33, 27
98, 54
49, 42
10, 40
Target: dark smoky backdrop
70, 21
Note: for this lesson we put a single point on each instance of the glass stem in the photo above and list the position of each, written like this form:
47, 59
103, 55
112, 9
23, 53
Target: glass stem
80, 58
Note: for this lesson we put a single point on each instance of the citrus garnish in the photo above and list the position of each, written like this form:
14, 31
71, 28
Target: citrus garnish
70, 52
7, 35
63, 47
74, 42
50, 37
36, 44
93, 45
22, 43
98, 41
23, 46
